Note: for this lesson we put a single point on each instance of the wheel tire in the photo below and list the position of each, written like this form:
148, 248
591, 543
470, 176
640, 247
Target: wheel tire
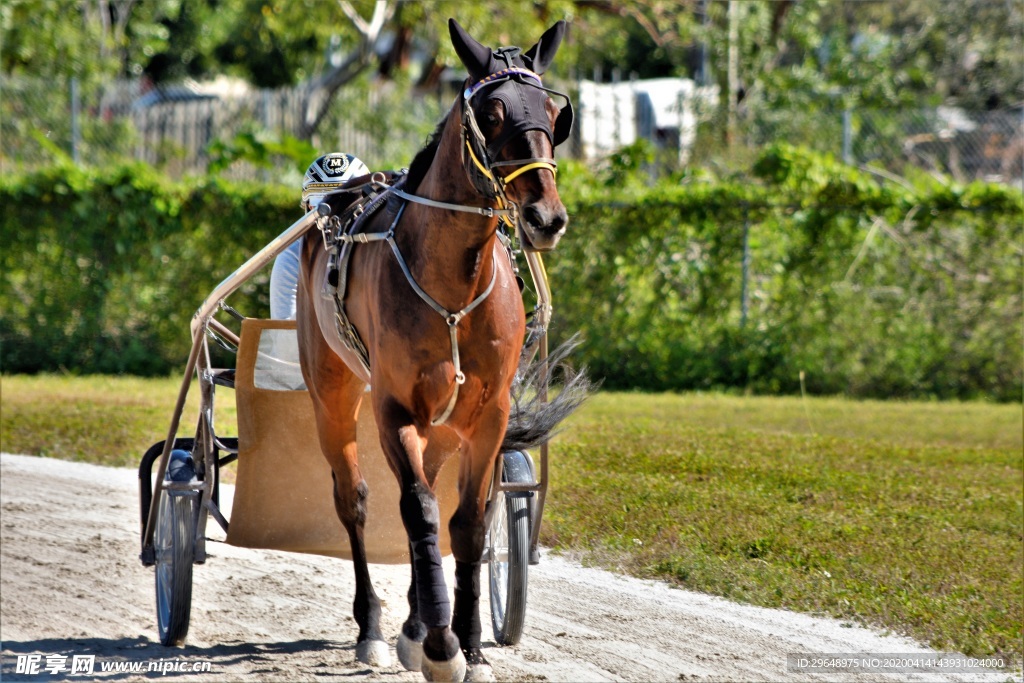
508, 541
174, 543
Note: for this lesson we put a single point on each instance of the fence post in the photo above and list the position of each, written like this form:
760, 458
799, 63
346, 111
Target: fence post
704, 75
76, 134
744, 286
268, 126
616, 118
732, 72
847, 136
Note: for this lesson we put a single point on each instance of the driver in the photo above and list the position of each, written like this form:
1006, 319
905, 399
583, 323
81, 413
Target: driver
329, 172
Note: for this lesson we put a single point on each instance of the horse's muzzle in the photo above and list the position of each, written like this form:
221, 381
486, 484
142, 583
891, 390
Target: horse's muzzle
544, 225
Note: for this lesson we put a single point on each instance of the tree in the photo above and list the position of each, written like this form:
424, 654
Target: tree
964, 52
959, 52
75, 44
321, 89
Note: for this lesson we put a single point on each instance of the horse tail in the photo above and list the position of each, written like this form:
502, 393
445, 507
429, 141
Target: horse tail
532, 421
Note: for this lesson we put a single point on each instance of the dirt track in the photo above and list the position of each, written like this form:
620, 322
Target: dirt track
70, 583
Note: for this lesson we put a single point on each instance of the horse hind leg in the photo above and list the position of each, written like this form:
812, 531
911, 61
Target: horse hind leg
371, 648
476, 468
466, 621
336, 421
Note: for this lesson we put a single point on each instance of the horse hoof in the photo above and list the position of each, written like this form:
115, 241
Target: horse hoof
453, 669
410, 652
373, 652
480, 673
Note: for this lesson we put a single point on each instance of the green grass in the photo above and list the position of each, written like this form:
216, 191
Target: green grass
99, 419
908, 516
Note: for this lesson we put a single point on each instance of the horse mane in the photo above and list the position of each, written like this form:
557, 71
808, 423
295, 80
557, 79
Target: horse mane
421, 162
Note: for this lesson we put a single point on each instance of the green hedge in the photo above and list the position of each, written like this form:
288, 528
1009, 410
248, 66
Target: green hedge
867, 288
104, 268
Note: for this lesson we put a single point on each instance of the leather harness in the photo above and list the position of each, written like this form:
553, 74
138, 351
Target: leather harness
341, 232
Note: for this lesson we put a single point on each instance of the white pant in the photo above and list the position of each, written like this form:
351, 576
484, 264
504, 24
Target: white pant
284, 283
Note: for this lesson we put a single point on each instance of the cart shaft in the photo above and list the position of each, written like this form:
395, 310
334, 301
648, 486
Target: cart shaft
200, 321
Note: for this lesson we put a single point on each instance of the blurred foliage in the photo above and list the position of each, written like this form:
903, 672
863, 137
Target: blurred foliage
885, 290
873, 54
261, 151
268, 42
954, 51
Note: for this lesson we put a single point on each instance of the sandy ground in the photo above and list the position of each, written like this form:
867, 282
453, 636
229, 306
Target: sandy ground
71, 583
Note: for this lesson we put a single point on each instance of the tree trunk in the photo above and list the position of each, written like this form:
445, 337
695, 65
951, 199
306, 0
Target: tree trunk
733, 72
321, 91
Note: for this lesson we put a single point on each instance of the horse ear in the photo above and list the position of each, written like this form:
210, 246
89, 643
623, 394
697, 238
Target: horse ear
475, 57
540, 56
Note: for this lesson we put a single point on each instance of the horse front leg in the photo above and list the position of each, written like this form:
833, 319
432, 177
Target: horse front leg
336, 422
466, 527
403, 443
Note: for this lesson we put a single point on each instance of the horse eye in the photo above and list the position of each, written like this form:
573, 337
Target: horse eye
492, 119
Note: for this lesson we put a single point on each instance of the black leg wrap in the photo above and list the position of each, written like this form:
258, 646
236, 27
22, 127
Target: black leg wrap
466, 621
431, 592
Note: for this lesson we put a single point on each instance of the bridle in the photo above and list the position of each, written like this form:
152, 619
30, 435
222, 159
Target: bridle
477, 159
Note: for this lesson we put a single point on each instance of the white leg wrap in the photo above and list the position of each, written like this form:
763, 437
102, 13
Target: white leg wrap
373, 652
480, 673
453, 669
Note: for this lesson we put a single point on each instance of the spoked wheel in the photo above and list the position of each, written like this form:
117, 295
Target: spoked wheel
174, 543
508, 544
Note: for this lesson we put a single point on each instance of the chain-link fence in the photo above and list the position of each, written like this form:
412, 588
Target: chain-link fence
966, 145
182, 129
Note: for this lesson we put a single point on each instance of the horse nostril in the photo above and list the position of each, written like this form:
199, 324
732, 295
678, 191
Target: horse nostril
548, 222
533, 217
559, 220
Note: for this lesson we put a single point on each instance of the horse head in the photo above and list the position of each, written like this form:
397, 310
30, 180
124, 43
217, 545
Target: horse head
514, 125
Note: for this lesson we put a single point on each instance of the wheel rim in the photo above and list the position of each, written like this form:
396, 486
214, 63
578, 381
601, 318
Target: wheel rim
498, 563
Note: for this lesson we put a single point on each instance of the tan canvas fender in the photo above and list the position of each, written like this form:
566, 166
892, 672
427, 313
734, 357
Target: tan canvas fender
283, 491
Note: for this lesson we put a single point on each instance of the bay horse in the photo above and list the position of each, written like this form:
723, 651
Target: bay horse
436, 326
